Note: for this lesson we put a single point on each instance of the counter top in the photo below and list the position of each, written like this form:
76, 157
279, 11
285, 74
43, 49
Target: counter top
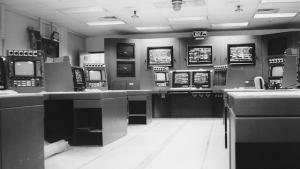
265, 103
23, 99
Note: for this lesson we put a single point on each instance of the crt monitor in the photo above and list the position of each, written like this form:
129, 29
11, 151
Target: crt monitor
160, 76
276, 71
25, 71
78, 78
181, 79
94, 75
201, 79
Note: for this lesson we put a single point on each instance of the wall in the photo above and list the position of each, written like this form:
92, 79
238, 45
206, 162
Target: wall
144, 76
76, 45
16, 36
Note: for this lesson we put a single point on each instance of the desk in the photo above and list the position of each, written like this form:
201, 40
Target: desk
188, 102
264, 129
21, 131
86, 117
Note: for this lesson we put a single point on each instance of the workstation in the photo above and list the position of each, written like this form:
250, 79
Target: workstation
93, 96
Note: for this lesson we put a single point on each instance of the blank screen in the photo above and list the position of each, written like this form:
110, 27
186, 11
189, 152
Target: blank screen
160, 77
277, 71
95, 75
24, 68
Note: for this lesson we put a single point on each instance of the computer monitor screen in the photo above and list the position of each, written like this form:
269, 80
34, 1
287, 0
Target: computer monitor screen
94, 75
78, 76
277, 71
181, 79
201, 78
160, 76
24, 68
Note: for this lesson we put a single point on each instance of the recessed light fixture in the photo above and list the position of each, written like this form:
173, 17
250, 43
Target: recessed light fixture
275, 15
279, 1
193, 18
80, 10
152, 28
236, 24
105, 23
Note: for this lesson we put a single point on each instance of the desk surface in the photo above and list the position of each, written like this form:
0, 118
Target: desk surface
265, 103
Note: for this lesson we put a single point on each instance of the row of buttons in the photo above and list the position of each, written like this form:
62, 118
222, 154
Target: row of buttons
276, 60
22, 53
101, 84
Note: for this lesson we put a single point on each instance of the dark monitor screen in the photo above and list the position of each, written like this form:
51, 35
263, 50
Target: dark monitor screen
277, 46
201, 79
2, 75
51, 48
94, 75
24, 68
181, 79
160, 76
277, 71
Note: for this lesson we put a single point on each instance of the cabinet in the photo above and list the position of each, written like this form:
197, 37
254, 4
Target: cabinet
21, 132
139, 107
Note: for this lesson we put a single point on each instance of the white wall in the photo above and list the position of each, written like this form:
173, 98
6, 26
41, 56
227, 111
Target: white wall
96, 43
16, 36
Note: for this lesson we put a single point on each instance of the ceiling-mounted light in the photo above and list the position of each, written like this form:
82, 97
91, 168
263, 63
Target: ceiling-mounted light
176, 4
193, 18
275, 15
279, 1
80, 10
105, 23
153, 28
236, 24
134, 16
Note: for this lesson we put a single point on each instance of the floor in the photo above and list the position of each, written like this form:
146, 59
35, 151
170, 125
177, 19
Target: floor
163, 144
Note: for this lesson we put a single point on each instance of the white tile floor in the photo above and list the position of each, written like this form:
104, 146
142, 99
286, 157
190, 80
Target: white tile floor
163, 144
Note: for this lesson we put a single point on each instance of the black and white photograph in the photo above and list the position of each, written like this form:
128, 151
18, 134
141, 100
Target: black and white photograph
149, 84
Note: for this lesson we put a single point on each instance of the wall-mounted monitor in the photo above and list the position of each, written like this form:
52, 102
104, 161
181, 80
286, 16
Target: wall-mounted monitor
125, 69
125, 50
199, 55
50, 48
160, 56
241, 54
78, 78
201, 79
277, 46
181, 79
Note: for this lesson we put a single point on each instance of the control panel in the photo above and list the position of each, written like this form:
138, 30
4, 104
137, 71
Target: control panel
96, 75
275, 74
26, 82
161, 76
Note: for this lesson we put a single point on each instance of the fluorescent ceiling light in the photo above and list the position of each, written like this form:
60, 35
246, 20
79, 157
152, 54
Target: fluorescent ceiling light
237, 24
153, 28
194, 18
81, 10
275, 15
279, 1
104, 23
